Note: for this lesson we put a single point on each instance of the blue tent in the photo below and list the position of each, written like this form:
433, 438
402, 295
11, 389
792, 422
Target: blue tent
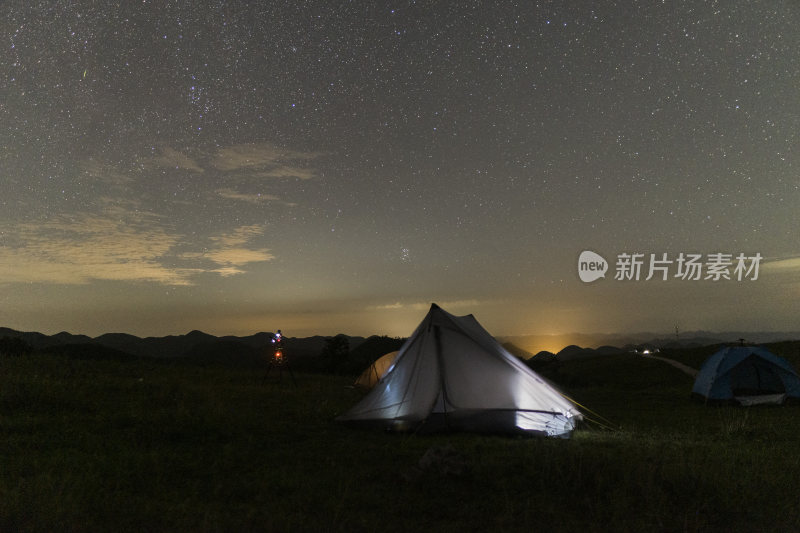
747, 374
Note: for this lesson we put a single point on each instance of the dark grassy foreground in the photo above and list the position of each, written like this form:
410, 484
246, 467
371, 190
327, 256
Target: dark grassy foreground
100, 445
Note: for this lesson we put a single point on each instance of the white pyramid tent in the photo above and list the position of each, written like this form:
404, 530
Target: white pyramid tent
452, 375
375, 371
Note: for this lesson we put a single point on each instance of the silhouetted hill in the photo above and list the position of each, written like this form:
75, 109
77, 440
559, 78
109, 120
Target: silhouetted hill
66, 337
172, 345
87, 351
536, 343
198, 337
242, 350
33, 338
574, 352
119, 341
609, 350
195, 344
259, 340
304, 347
627, 372
228, 353
541, 359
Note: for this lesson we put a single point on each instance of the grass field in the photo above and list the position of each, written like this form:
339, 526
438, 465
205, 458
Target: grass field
147, 445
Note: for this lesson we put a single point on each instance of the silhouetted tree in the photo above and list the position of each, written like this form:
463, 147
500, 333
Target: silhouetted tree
14, 346
335, 352
368, 351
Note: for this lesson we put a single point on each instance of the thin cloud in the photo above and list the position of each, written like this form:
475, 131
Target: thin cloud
396, 305
421, 306
248, 161
231, 252
120, 245
249, 156
103, 171
263, 160
170, 158
238, 236
228, 271
255, 198
782, 265
285, 171
82, 248
121, 240
260, 160
236, 257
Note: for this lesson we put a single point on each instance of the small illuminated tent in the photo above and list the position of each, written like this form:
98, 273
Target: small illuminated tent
375, 371
452, 375
749, 375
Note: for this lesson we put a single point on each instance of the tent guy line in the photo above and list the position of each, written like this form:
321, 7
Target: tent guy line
677, 364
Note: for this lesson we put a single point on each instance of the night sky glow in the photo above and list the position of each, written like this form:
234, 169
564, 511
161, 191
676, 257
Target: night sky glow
326, 167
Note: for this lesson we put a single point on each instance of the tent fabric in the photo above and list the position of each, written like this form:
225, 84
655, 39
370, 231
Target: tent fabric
375, 371
748, 374
451, 374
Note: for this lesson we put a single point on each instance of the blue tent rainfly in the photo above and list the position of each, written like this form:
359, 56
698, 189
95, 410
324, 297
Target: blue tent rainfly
749, 375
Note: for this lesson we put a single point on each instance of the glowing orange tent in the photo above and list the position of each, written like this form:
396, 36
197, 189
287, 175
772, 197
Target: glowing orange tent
375, 371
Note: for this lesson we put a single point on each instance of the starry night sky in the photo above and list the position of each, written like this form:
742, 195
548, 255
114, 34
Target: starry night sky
327, 167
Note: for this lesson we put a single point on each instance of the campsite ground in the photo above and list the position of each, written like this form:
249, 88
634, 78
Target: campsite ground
90, 445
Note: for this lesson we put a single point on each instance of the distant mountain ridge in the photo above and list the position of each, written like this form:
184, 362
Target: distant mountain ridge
206, 347
554, 343
193, 344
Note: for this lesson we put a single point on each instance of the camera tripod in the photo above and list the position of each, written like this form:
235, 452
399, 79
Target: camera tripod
278, 360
